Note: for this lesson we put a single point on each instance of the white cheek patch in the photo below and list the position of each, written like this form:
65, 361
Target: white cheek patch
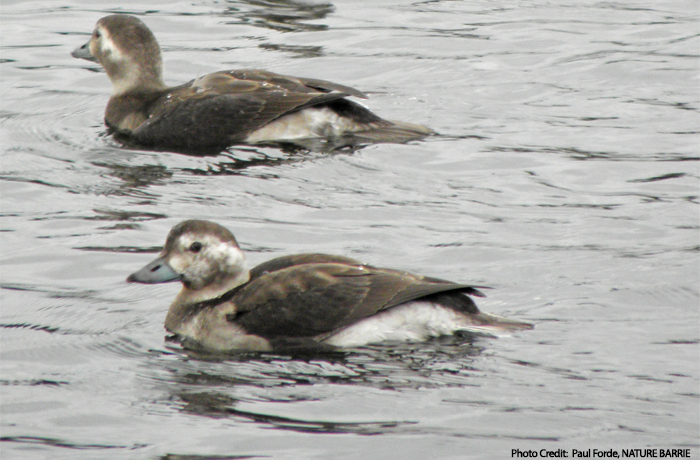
185, 241
108, 48
227, 261
216, 255
178, 263
215, 249
230, 255
120, 70
181, 260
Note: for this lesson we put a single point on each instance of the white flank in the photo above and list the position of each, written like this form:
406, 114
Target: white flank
308, 123
410, 322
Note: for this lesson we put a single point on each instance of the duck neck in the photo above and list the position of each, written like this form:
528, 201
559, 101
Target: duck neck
190, 301
129, 76
126, 112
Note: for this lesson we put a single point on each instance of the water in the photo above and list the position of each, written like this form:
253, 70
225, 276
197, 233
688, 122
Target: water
565, 176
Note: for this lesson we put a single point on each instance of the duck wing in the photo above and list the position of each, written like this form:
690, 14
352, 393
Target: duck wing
328, 86
223, 108
311, 299
283, 262
293, 84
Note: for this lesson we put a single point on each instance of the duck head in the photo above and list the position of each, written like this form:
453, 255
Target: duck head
128, 51
204, 256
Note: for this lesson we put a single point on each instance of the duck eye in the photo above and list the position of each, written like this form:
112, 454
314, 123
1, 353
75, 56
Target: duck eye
97, 34
196, 247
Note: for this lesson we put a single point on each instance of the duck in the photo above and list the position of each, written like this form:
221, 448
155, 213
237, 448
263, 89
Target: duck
304, 301
225, 108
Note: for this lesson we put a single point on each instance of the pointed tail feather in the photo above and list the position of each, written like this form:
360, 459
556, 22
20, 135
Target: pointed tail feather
490, 323
397, 132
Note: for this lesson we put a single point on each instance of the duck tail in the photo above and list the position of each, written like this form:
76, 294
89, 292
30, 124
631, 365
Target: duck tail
490, 323
397, 132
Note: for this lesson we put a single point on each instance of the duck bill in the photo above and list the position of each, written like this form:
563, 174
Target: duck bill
83, 52
158, 271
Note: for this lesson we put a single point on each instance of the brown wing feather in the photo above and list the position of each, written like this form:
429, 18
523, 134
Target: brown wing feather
296, 84
282, 262
330, 86
224, 108
310, 299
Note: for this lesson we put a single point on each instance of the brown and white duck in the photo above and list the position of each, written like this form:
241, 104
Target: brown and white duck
223, 108
304, 300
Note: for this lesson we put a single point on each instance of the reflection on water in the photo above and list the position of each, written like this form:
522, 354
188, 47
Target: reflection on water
135, 177
207, 385
208, 457
219, 405
440, 362
59, 443
283, 16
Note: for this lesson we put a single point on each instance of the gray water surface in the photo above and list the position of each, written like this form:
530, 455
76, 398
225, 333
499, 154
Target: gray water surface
565, 176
